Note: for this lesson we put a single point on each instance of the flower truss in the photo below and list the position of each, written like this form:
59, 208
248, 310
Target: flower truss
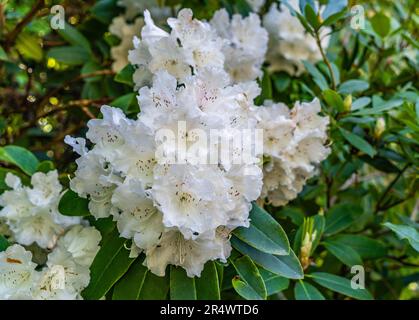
180, 207
289, 43
66, 272
31, 213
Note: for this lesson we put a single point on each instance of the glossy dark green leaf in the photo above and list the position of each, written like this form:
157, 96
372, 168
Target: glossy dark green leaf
358, 142
340, 285
353, 86
69, 55
264, 233
249, 283
3, 243
182, 287
129, 287
72, 205
340, 217
366, 247
318, 77
305, 291
22, 158
155, 287
287, 266
208, 285
405, 232
333, 99
74, 37
45, 166
273, 282
125, 102
125, 75
110, 264
311, 17
343, 252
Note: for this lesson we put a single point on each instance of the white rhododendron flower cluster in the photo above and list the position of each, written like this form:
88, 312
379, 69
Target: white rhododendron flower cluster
148, 174
31, 213
294, 144
238, 45
177, 213
289, 43
256, 5
66, 272
245, 46
125, 32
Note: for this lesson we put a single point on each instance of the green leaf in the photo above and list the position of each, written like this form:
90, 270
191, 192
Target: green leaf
333, 7
29, 46
333, 99
367, 248
358, 142
72, 205
125, 102
340, 285
352, 86
273, 282
3, 55
311, 17
305, 291
69, 55
266, 85
74, 37
104, 11
287, 266
154, 287
281, 81
264, 233
3, 243
207, 285
381, 24
182, 287
129, 287
344, 253
45, 166
318, 77
360, 103
379, 108
110, 264
249, 283
125, 75
140, 284
20, 157
405, 232
341, 216
332, 19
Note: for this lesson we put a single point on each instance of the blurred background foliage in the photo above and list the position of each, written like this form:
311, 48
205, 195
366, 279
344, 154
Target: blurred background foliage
362, 207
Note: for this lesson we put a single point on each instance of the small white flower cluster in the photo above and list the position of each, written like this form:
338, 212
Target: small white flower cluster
66, 272
245, 46
294, 144
31, 213
289, 43
124, 31
238, 46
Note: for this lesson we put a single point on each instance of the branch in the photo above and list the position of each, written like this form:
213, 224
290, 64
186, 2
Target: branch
326, 61
11, 37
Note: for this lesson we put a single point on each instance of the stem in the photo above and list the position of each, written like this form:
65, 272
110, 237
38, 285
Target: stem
389, 187
326, 61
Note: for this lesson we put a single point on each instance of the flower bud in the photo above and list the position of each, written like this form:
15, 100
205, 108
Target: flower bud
380, 127
347, 103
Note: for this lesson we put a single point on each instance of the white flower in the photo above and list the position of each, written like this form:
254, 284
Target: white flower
17, 273
294, 145
191, 255
245, 46
82, 243
137, 217
32, 212
124, 31
191, 45
289, 43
